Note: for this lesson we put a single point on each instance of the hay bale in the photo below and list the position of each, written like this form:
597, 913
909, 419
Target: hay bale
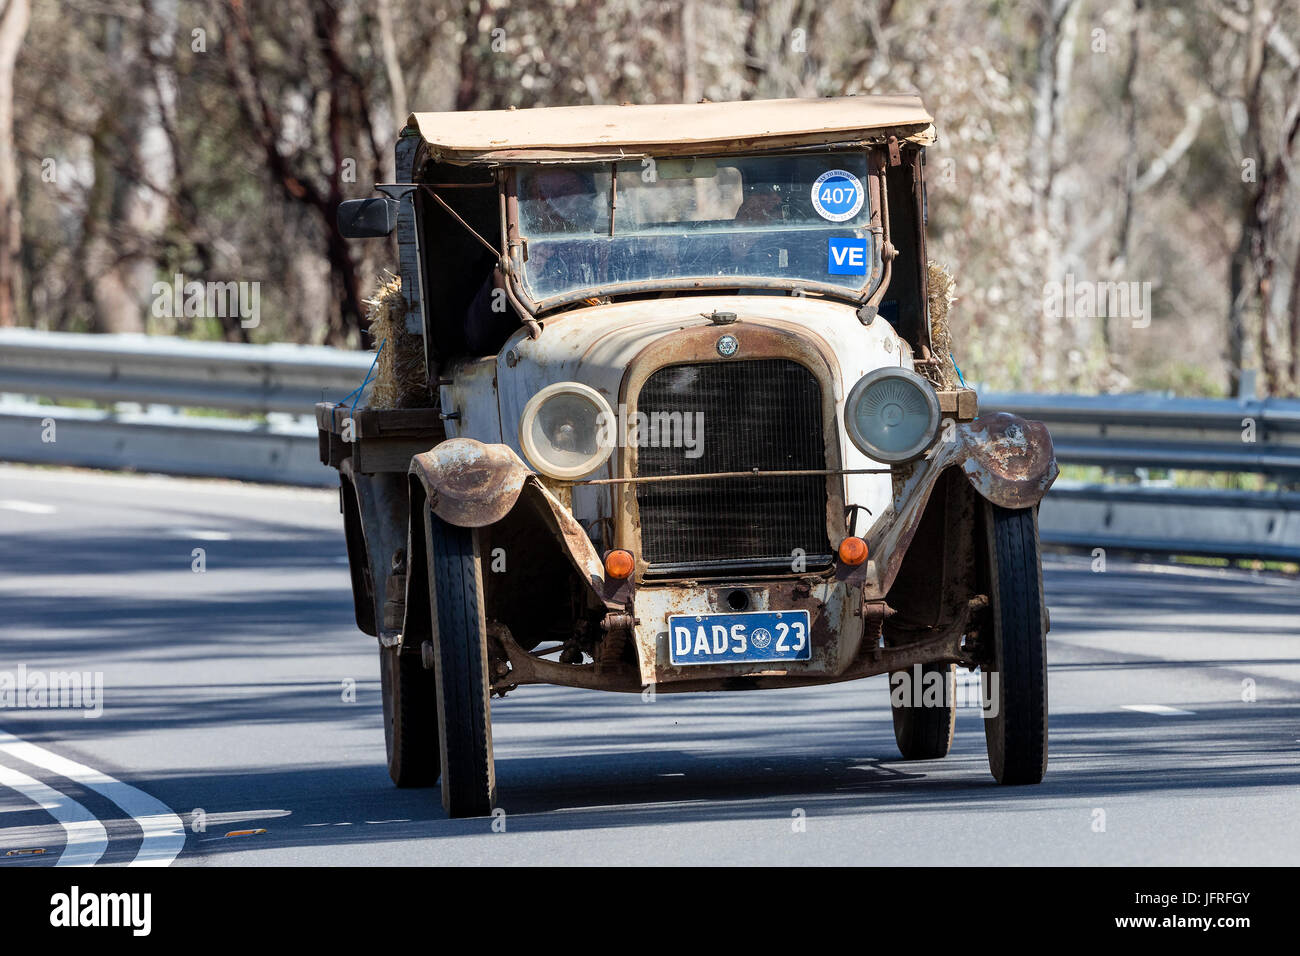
399, 380
941, 294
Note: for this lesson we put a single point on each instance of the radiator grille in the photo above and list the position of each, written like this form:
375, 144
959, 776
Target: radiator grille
763, 414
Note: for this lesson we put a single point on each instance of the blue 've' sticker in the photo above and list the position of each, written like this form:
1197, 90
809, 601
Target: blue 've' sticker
847, 257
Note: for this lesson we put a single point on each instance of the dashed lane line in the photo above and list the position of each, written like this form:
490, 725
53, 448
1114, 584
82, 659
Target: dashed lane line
27, 507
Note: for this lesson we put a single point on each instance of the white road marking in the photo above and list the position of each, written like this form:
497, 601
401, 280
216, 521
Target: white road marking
86, 838
1159, 709
200, 535
164, 833
28, 507
39, 806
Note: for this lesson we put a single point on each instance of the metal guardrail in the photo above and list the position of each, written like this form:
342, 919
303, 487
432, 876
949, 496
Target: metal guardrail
1152, 431
1245, 524
164, 371
147, 379
163, 441
1128, 433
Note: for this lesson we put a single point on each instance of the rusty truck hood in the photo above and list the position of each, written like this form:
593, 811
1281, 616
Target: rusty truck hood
595, 345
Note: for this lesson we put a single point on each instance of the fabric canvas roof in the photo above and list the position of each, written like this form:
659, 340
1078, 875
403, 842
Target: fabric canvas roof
577, 132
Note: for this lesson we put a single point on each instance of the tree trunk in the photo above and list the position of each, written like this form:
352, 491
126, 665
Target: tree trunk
690, 61
396, 83
13, 27
1238, 292
1242, 282
467, 89
1051, 87
1124, 235
1294, 323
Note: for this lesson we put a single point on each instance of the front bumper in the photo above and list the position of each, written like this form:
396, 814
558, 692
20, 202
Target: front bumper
1007, 460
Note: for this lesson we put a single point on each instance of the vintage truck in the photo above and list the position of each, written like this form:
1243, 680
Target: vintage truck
678, 422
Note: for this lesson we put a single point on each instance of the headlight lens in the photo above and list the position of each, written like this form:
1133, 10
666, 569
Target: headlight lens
892, 415
567, 430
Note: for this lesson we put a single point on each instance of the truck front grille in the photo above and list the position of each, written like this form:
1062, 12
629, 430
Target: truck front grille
764, 415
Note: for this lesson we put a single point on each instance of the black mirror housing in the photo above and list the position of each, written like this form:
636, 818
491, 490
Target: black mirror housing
367, 218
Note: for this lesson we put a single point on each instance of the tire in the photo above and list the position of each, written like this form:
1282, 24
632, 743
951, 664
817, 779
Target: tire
925, 732
1017, 733
460, 668
410, 719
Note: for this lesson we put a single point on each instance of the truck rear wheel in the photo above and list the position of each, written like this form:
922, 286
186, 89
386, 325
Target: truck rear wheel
460, 667
410, 718
1016, 732
924, 732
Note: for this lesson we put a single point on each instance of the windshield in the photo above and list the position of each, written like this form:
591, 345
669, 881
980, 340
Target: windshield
802, 218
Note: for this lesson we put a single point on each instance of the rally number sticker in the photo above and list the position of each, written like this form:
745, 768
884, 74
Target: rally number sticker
837, 195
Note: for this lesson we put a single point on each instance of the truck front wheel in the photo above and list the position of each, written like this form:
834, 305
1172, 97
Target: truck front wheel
1015, 680
460, 667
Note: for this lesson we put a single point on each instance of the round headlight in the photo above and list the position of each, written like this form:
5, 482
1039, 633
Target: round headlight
892, 415
567, 430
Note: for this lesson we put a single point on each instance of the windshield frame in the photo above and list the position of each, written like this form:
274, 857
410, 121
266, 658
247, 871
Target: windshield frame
856, 295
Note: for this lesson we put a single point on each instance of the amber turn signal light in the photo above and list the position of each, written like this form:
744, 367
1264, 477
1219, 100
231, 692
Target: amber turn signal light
853, 551
619, 564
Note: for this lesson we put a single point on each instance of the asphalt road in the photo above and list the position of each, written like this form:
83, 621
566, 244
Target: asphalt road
245, 692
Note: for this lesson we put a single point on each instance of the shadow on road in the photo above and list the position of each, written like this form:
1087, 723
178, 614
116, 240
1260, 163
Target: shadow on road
631, 777
1129, 598
572, 760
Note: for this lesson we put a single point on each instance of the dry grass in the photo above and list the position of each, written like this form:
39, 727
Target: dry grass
942, 293
399, 372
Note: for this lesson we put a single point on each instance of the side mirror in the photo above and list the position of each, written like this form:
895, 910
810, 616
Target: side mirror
367, 218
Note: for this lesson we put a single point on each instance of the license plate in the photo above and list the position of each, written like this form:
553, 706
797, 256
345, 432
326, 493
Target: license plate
736, 638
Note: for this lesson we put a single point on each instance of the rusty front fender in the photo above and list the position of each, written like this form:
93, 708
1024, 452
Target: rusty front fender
470, 484
473, 485
1008, 459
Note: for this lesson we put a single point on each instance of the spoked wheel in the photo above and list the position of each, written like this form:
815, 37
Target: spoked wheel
460, 666
410, 718
1016, 732
923, 728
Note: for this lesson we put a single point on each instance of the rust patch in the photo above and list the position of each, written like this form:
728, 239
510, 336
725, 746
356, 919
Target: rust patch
470, 484
474, 485
515, 666
1009, 460
834, 615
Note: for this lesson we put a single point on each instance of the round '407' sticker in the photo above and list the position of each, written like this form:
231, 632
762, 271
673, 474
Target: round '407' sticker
837, 195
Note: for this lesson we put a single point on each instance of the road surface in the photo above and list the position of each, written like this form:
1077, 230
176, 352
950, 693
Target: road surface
239, 698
